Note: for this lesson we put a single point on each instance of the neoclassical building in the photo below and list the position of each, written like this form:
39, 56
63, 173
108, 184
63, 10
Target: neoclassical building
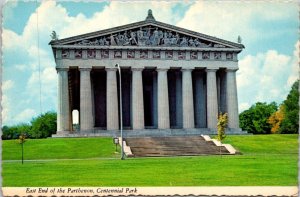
172, 79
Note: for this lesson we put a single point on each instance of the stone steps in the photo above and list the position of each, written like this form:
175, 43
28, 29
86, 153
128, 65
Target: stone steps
173, 146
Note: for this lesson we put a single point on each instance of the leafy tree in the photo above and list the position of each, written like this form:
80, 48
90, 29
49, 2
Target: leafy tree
290, 123
276, 119
255, 119
44, 125
13, 132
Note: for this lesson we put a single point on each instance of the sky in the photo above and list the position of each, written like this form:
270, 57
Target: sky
268, 65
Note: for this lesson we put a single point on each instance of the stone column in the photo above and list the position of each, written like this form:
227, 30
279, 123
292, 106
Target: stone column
63, 111
178, 99
163, 99
137, 99
232, 99
155, 112
212, 98
187, 99
86, 112
112, 112
200, 99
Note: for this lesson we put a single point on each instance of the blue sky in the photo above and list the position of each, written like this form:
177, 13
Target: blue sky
269, 31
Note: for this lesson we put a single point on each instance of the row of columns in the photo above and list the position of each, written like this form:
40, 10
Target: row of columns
86, 111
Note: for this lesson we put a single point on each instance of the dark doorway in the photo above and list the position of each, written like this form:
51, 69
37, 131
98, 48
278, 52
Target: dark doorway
148, 97
99, 85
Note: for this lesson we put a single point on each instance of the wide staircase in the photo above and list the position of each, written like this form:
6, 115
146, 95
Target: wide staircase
173, 146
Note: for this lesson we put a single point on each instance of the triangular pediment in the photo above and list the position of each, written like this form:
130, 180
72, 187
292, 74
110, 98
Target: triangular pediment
149, 33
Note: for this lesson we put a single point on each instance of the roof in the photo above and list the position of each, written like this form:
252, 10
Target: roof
149, 22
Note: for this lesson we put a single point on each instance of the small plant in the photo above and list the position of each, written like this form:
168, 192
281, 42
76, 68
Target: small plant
221, 127
22, 140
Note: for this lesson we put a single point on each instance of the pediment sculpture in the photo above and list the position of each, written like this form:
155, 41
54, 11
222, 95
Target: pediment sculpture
148, 36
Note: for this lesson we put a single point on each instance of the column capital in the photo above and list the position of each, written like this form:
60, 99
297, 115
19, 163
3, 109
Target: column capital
111, 68
61, 69
231, 69
162, 68
137, 68
211, 70
85, 68
187, 68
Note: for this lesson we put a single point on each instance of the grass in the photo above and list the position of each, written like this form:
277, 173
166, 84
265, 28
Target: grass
60, 148
266, 160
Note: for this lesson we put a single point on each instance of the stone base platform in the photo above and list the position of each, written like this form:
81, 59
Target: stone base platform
146, 133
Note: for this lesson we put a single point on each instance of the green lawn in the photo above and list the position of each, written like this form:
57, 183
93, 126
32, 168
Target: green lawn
60, 148
266, 160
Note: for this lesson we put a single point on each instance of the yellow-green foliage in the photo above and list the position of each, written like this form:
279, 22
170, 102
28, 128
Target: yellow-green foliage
22, 138
221, 126
276, 118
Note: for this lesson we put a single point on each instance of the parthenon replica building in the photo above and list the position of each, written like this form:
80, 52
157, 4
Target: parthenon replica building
173, 80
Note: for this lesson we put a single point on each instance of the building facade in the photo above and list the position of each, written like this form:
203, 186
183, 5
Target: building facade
171, 78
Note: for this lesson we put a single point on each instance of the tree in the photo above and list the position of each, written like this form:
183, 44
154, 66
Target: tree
44, 125
255, 119
276, 119
221, 126
290, 123
13, 132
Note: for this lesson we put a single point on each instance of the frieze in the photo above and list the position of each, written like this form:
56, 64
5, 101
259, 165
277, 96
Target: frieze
130, 54
91, 54
169, 54
181, 55
148, 36
118, 54
65, 54
229, 56
156, 54
145, 54
217, 55
105, 54
206, 55
78, 54
194, 55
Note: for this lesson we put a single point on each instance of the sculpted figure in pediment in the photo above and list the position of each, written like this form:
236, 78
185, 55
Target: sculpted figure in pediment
132, 38
112, 40
184, 42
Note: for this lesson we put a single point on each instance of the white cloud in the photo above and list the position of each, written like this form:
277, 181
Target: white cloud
244, 106
264, 77
6, 85
237, 18
21, 67
5, 109
295, 66
26, 115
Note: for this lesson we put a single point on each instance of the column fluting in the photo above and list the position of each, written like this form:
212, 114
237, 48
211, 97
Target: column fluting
63, 111
112, 111
138, 121
212, 99
86, 112
163, 99
232, 99
187, 99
